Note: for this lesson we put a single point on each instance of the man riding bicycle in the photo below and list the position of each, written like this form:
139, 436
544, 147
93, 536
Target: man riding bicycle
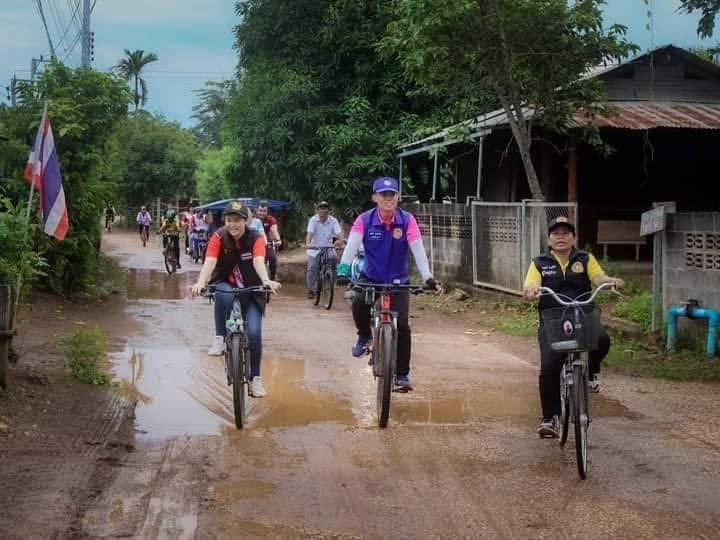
143, 220
388, 235
198, 231
235, 258
570, 272
170, 229
272, 234
322, 230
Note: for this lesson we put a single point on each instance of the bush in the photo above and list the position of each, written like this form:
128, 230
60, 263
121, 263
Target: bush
636, 308
86, 355
17, 257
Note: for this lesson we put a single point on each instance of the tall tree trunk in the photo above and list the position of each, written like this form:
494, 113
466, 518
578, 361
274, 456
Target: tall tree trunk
137, 96
509, 96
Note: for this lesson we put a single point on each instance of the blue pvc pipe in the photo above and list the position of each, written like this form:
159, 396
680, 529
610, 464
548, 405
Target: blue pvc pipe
712, 315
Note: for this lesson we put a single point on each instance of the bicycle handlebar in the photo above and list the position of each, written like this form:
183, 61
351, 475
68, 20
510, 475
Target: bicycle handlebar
414, 289
212, 289
570, 302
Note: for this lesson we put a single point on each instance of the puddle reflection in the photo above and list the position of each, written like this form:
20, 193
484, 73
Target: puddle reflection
154, 285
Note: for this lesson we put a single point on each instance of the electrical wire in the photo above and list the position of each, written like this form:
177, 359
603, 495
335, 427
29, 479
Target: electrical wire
73, 19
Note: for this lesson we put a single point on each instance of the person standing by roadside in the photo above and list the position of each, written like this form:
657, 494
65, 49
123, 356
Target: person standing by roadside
272, 234
571, 272
322, 230
143, 220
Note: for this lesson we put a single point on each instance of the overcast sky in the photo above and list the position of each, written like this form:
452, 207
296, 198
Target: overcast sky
193, 39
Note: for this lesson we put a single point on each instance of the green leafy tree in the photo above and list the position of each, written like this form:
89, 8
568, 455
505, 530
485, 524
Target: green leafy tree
85, 107
212, 176
532, 53
131, 67
708, 11
210, 112
317, 111
159, 159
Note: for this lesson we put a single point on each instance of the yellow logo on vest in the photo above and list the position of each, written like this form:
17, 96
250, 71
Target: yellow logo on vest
397, 233
577, 267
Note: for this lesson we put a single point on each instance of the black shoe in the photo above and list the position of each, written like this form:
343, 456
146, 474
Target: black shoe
548, 428
311, 294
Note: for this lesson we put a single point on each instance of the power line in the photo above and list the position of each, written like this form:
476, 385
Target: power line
73, 18
38, 5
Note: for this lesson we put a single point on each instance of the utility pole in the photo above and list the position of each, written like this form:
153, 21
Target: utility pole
13, 100
86, 35
34, 63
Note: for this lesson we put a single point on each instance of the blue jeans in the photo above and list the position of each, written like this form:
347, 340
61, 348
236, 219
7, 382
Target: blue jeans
253, 318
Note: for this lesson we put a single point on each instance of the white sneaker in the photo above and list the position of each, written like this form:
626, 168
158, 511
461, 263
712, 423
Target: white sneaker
257, 389
218, 346
594, 384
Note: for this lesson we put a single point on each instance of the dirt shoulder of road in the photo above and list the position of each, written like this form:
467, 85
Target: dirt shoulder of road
59, 439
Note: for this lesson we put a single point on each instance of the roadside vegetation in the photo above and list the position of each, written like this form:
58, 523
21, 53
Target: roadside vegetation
85, 354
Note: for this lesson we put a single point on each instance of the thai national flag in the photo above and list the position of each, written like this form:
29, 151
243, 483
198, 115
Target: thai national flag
43, 168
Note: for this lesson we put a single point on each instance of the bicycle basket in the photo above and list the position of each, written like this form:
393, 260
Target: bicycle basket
571, 329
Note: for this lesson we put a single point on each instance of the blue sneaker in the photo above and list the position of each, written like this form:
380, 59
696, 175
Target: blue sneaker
360, 347
402, 382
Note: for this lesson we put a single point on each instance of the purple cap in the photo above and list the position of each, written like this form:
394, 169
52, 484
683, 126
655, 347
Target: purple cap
385, 183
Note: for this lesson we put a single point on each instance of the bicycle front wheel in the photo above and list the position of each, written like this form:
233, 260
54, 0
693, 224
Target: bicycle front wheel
385, 355
318, 288
581, 418
328, 287
565, 398
238, 381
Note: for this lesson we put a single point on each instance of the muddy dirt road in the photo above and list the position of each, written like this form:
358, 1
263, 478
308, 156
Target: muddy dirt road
459, 459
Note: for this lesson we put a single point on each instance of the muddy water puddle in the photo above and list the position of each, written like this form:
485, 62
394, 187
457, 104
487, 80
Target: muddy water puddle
142, 283
184, 392
487, 402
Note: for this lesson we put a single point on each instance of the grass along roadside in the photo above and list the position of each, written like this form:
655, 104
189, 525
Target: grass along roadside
85, 353
642, 354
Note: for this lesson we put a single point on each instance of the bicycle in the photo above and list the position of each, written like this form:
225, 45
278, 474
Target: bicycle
573, 329
171, 241
274, 246
325, 289
383, 351
198, 250
109, 223
144, 234
237, 350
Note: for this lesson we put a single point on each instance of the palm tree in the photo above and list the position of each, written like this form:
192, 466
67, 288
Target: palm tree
130, 67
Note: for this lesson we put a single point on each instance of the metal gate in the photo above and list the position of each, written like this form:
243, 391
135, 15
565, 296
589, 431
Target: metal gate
506, 236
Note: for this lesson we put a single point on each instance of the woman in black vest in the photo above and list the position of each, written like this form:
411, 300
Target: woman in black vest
570, 272
235, 258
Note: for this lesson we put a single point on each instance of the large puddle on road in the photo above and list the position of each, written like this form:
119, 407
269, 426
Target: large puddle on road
155, 285
179, 392
487, 402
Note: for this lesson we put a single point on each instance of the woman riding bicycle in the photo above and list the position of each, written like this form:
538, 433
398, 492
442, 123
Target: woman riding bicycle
570, 272
143, 220
235, 258
388, 235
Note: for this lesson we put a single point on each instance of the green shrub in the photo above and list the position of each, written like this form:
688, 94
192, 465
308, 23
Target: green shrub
635, 308
86, 355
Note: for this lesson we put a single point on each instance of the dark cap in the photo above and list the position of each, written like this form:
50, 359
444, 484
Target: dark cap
322, 204
385, 183
561, 220
237, 208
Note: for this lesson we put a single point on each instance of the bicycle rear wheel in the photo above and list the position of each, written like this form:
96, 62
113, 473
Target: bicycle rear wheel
581, 418
238, 381
565, 398
385, 355
328, 287
169, 260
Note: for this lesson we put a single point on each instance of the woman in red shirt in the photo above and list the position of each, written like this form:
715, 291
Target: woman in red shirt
235, 258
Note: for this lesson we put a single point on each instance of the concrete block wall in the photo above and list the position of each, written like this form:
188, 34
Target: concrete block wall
450, 252
692, 259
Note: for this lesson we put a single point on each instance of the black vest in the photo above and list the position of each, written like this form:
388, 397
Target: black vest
573, 283
237, 254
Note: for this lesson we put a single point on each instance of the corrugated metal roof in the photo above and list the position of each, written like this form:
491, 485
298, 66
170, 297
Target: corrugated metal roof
655, 114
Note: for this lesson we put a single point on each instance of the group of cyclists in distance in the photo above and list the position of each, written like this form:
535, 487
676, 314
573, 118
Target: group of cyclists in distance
240, 245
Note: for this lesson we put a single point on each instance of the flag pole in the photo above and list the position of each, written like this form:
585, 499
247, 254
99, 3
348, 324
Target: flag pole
29, 209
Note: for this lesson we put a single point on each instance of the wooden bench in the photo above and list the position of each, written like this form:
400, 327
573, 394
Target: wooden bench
619, 232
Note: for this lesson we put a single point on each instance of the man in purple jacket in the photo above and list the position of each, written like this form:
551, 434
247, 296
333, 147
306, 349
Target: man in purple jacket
388, 234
